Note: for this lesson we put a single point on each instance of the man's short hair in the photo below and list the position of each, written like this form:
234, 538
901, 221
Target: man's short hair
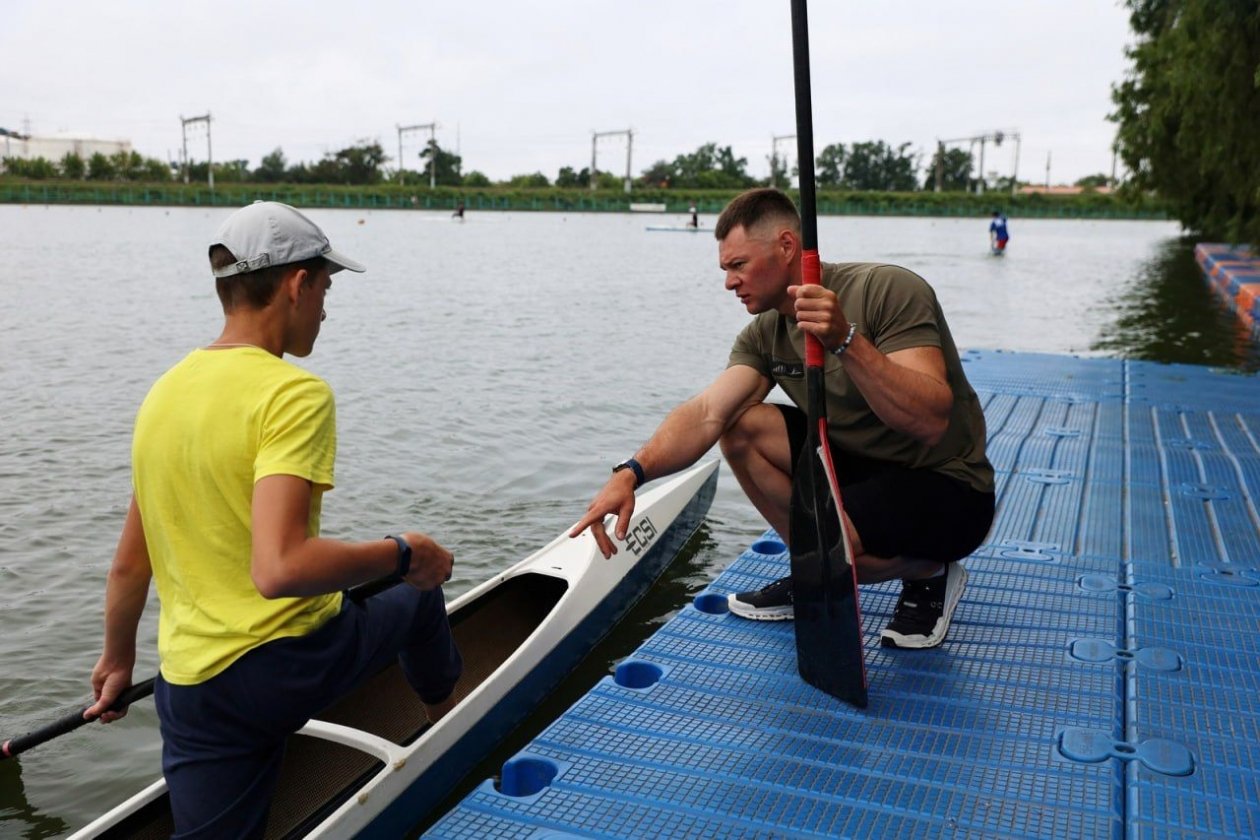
750, 208
254, 289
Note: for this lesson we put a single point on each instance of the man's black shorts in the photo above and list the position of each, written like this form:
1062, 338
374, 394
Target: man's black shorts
900, 512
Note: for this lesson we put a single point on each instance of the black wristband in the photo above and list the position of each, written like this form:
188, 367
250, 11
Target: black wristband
639, 476
404, 555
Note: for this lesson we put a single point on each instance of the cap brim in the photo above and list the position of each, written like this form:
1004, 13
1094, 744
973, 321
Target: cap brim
340, 261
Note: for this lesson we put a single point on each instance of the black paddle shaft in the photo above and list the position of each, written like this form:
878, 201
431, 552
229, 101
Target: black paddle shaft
804, 126
824, 585
71, 722
141, 690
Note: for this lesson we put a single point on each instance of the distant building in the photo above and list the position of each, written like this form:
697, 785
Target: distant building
1061, 189
30, 147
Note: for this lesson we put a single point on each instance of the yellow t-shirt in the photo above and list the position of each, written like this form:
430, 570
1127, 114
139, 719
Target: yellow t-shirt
211, 427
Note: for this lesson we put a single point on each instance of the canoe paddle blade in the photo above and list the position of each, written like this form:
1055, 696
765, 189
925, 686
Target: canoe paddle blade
824, 589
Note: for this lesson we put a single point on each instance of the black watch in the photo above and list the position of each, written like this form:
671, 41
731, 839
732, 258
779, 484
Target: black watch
631, 464
404, 555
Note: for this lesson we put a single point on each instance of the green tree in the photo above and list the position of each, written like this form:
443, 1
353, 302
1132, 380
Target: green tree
127, 165
829, 166
100, 168
708, 167
874, 165
955, 170
156, 170
231, 172
566, 177
476, 179
534, 179
1188, 114
447, 165
359, 164
272, 168
38, 168
73, 166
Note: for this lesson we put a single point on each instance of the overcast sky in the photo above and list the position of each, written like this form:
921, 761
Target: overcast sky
518, 87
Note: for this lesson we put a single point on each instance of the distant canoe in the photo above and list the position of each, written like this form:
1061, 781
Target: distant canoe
682, 228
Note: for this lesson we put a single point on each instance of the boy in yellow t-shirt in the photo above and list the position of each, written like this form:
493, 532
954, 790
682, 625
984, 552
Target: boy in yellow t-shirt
232, 453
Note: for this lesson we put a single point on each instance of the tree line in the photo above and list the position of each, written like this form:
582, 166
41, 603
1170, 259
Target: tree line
862, 166
1188, 114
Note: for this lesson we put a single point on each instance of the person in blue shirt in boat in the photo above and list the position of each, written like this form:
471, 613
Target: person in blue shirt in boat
232, 454
998, 234
906, 430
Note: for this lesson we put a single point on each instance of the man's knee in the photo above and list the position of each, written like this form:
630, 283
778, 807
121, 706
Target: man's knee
758, 429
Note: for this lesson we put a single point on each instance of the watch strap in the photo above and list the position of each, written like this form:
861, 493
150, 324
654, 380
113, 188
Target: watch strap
404, 555
632, 464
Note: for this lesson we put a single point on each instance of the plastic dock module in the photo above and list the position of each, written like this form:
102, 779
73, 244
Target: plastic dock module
1101, 678
1234, 273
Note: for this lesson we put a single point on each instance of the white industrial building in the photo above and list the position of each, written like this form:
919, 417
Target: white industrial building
30, 147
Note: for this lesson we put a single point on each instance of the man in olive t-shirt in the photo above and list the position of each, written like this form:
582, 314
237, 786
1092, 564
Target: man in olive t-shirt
906, 430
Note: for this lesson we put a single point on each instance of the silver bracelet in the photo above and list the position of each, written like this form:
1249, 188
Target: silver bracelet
848, 339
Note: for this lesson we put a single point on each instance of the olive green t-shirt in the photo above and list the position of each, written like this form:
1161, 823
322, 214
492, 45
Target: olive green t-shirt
895, 309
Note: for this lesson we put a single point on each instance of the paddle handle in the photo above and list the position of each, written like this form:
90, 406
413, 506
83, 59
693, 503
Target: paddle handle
141, 690
71, 722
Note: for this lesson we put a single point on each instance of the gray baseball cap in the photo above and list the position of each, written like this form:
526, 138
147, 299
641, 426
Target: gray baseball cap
268, 233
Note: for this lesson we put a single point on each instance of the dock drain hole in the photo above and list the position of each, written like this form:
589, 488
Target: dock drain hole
712, 603
635, 673
526, 776
771, 547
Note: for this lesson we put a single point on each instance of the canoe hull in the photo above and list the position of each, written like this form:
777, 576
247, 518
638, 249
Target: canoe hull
438, 780
534, 622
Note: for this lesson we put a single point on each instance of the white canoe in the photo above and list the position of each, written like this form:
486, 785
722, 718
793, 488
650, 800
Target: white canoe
373, 767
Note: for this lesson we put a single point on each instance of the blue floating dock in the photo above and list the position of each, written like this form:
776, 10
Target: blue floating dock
1101, 679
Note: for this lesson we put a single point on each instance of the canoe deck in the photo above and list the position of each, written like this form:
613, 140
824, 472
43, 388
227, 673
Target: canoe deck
1099, 679
318, 775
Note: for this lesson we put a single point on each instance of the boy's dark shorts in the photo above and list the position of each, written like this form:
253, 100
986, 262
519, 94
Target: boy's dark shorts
900, 512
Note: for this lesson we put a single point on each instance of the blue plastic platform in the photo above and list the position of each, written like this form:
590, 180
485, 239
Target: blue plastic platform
1101, 679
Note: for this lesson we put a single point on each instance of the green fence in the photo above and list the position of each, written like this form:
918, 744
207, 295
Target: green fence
396, 198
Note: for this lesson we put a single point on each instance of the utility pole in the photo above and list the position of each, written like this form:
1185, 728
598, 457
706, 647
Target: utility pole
432, 129
997, 137
595, 135
774, 158
1047, 170
184, 123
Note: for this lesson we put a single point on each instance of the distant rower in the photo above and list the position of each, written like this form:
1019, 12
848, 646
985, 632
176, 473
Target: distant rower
998, 235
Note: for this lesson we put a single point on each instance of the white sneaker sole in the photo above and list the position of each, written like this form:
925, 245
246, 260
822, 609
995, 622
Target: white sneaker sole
954, 587
743, 610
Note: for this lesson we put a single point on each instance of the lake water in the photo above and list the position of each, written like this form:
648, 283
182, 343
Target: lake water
487, 375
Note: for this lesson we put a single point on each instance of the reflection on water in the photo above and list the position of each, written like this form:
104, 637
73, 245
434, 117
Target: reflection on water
487, 377
18, 818
1167, 312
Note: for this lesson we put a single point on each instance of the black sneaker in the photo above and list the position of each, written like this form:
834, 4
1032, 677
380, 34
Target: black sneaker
924, 610
770, 603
